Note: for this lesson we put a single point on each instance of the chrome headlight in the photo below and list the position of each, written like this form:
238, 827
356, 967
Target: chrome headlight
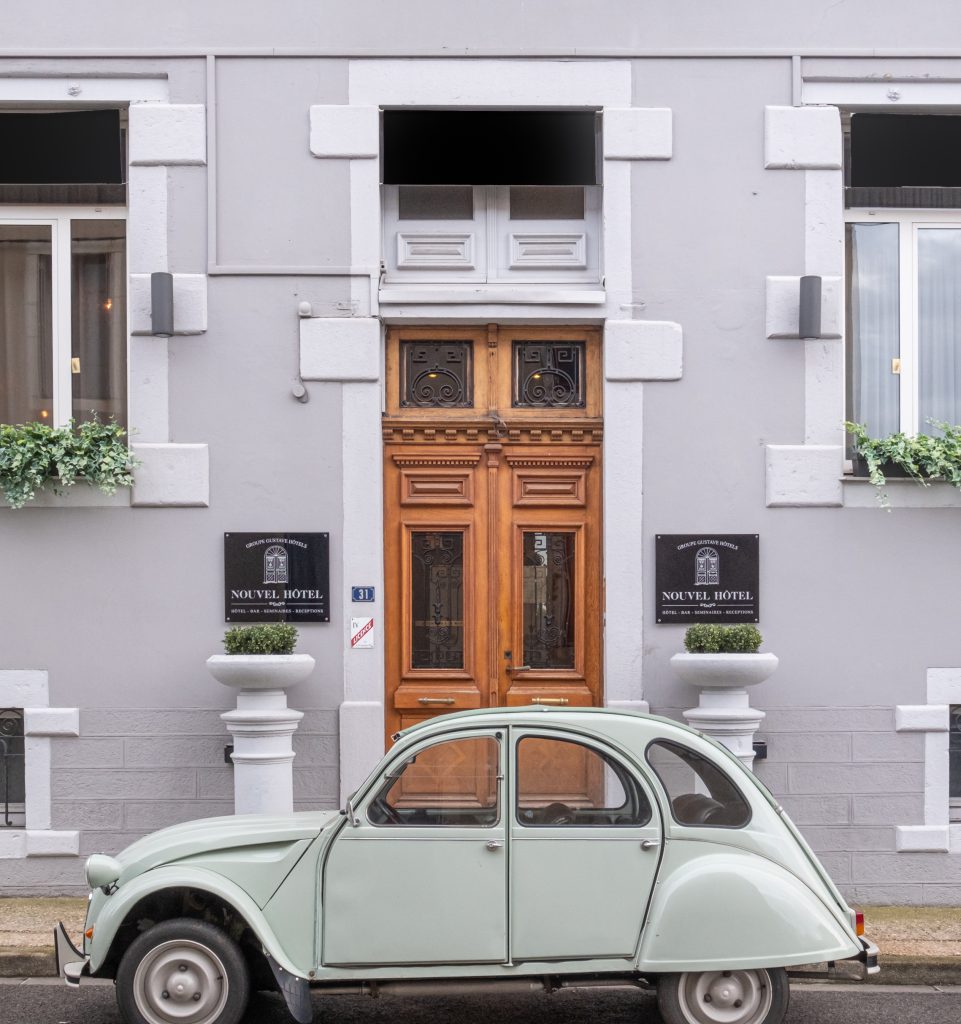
101, 871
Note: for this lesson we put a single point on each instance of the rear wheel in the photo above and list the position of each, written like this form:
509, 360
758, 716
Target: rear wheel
183, 971
724, 997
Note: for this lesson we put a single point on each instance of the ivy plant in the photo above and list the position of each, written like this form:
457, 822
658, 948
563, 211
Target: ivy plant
267, 638
924, 457
34, 455
711, 638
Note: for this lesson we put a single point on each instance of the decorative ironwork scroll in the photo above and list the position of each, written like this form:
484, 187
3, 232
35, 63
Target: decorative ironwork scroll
436, 375
12, 789
437, 600
549, 588
548, 374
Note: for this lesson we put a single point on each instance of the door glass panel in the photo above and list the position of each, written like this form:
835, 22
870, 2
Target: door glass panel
700, 793
548, 374
437, 599
452, 783
546, 202
549, 600
435, 202
564, 783
939, 324
436, 375
26, 346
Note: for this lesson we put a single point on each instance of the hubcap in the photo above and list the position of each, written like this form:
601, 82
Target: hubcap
725, 997
180, 982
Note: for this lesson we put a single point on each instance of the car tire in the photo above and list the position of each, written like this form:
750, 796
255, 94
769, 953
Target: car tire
715, 997
183, 970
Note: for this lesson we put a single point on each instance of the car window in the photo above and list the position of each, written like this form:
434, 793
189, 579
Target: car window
450, 783
700, 793
561, 782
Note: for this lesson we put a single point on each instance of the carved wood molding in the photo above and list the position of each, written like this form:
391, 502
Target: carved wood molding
436, 460
551, 461
571, 432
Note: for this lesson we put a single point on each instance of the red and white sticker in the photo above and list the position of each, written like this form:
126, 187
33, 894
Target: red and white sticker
361, 633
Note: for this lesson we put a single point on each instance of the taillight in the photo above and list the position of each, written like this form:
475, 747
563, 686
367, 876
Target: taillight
858, 922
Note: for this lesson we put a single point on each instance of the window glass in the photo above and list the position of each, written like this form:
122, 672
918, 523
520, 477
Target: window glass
873, 327
544, 202
939, 326
98, 361
954, 761
12, 789
549, 594
548, 374
700, 793
451, 783
435, 202
26, 345
437, 374
560, 782
437, 599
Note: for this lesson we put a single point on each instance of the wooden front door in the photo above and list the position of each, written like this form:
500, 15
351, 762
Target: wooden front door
492, 472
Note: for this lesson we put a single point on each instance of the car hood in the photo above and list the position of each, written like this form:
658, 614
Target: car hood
210, 834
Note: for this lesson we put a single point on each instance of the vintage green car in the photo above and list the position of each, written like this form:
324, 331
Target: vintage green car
527, 847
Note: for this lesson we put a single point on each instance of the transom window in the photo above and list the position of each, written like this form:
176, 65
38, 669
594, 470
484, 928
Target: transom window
700, 793
63, 315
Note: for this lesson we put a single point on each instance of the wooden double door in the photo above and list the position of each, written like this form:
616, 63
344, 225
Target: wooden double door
492, 472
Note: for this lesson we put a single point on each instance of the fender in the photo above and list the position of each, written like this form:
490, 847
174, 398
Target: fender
722, 908
180, 876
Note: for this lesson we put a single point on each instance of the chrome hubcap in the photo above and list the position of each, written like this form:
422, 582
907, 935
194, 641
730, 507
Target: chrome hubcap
725, 997
180, 982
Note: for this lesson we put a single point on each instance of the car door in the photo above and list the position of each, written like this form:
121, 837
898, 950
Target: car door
421, 877
585, 839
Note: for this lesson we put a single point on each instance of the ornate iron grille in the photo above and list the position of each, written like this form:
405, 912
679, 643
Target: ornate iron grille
437, 375
954, 761
548, 374
12, 789
549, 600
437, 600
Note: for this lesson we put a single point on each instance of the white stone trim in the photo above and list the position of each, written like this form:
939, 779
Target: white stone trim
638, 133
171, 475
190, 304
783, 299
345, 131
798, 138
66, 90
639, 350
859, 492
803, 475
937, 833
167, 134
340, 349
28, 689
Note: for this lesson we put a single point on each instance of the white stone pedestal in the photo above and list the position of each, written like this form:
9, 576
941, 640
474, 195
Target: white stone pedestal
262, 726
724, 709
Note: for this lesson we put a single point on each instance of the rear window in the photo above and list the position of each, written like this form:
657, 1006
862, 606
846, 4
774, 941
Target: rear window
700, 793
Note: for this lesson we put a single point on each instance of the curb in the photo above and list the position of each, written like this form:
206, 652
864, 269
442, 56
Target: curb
27, 963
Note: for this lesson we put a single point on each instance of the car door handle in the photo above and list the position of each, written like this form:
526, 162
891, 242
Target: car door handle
649, 844
494, 844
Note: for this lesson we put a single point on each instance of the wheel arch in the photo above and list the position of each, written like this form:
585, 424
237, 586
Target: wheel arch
179, 892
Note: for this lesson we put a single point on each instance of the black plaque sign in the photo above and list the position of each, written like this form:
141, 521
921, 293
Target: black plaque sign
706, 578
271, 577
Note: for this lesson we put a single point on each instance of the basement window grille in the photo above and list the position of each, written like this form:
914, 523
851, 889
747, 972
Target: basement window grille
954, 762
12, 788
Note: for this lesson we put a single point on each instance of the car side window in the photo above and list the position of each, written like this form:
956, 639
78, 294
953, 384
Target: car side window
562, 782
700, 793
451, 783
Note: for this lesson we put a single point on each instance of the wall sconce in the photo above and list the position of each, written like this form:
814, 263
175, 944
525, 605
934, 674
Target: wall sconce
161, 305
809, 308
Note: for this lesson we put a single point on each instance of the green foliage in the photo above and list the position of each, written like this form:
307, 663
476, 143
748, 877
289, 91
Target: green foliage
708, 638
924, 457
269, 638
33, 455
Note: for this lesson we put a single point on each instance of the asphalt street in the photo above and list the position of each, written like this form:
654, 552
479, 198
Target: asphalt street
48, 1001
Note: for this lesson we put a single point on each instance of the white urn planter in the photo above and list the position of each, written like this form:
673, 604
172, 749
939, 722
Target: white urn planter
262, 726
724, 709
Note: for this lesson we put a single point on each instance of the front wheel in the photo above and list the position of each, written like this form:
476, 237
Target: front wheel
724, 997
183, 971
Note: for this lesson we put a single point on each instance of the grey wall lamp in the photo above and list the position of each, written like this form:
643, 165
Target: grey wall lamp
161, 304
809, 308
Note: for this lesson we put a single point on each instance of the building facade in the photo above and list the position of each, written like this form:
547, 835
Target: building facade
494, 299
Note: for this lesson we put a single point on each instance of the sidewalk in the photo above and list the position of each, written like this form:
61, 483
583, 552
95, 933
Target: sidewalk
919, 945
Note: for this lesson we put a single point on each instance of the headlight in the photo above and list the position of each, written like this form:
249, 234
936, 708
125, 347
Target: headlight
101, 871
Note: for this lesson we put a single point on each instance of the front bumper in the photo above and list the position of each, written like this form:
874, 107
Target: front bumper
71, 963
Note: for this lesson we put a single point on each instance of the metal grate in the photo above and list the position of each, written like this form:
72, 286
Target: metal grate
12, 790
954, 761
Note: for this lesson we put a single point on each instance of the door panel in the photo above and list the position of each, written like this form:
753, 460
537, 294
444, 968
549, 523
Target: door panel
499, 500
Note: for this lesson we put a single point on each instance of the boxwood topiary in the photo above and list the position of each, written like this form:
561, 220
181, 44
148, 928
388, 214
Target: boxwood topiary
268, 638
710, 638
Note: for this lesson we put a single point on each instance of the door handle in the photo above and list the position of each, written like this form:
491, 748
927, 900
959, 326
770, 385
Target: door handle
435, 700
553, 701
649, 844
518, 668
494, 844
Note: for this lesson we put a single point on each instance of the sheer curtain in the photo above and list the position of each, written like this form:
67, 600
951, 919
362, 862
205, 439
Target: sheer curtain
873, 327
939, 322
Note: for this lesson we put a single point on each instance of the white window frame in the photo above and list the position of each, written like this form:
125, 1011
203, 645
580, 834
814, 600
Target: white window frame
58, 219
910, 223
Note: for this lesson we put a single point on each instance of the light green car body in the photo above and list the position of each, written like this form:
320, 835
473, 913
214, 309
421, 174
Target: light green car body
332, 896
